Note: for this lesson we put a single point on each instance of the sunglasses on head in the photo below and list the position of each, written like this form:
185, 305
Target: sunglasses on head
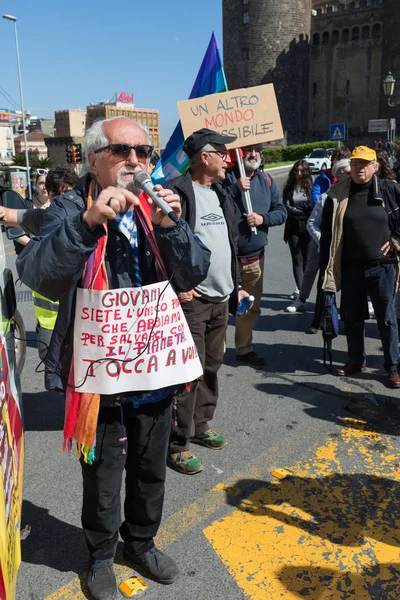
42, 171
142, 151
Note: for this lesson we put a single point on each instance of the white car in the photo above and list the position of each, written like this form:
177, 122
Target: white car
318, 160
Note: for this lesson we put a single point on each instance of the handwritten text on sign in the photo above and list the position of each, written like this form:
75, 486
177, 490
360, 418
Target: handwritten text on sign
250, 113
122, 343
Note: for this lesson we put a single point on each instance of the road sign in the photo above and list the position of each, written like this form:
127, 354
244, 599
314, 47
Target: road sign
377, 126
338, 132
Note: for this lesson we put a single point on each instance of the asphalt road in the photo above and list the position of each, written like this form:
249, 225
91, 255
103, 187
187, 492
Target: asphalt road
236, 531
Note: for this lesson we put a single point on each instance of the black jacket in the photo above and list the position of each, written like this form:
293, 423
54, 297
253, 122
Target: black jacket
183, 186
53, 266
297, 214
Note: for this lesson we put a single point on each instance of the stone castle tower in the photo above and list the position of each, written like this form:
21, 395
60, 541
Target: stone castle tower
267, 41
326, 58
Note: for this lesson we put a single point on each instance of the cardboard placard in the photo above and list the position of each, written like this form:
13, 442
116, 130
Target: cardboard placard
128, 340
251, 114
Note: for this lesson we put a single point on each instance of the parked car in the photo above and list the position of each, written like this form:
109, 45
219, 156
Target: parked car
318, 160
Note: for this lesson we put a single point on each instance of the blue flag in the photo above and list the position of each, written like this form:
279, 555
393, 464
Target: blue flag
210, 80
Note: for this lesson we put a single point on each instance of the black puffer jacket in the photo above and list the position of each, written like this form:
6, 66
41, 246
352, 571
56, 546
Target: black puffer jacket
53, 266
184, 187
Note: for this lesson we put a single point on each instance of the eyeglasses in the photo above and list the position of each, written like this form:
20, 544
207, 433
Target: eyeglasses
221, 154
42, 171
142, 151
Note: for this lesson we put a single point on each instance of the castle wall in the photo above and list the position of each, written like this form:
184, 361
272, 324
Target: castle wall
346, 69
267, 41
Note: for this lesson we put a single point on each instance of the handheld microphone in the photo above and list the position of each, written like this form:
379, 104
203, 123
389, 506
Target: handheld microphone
142, 180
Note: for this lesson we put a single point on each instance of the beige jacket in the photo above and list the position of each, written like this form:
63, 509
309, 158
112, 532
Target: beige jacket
339, 193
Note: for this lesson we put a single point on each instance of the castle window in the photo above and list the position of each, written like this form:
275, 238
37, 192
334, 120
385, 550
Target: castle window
329, 9
245, 18
365, 32
352, 5
345, 35
315, 39
355, 34
335, 36
325, 38
376, 31
314, 91
245, 53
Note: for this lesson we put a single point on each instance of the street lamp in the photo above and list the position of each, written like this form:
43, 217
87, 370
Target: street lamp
389, 83
14, 20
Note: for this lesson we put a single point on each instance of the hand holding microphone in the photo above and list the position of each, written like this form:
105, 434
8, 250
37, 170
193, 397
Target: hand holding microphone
165, 205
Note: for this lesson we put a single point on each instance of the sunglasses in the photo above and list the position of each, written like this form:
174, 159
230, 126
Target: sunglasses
42, 171
142, 151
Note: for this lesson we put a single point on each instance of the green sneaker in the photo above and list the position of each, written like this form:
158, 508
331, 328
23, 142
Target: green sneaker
185, 462
210, 439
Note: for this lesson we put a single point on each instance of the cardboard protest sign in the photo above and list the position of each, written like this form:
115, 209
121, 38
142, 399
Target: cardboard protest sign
249, 113
132, 339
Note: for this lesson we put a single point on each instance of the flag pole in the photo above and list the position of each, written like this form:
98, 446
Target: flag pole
247, 199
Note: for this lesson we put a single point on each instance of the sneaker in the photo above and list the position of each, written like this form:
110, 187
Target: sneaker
185, 462
296, 306
154, 565
251, 358
101, 581
295, 294
371, 311
209, 439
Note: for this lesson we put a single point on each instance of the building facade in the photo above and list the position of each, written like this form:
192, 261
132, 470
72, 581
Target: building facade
327, 60
6, 143
147, 117
35, 142
70, 123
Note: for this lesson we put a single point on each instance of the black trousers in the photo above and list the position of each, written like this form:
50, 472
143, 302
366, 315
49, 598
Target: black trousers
208, 322
299, 241
147, 432
379, 283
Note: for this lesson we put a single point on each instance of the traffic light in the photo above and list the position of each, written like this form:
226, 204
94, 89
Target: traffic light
69, 154
78, 152
73, 154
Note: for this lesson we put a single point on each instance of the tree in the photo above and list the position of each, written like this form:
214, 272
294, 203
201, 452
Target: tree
35, 162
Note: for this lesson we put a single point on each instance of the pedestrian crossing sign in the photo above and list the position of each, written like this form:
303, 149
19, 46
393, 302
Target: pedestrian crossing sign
338, 132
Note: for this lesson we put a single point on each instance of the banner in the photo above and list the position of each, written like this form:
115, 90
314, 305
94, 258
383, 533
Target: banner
251, 114
132, 339
210, 80
19, 182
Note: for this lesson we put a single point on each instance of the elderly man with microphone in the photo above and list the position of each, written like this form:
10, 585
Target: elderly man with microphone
105, 203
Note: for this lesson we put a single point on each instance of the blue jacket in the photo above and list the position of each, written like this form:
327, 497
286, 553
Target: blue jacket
321, 185
53, 266
266, 201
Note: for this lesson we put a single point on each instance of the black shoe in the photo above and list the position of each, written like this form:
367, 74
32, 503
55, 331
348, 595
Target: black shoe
101, 581
312, 330
251, 358
155, 565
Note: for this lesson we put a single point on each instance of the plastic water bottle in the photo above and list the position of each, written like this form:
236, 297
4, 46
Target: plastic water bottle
244, 305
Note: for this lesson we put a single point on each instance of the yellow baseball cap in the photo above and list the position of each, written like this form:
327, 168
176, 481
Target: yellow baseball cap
363, 153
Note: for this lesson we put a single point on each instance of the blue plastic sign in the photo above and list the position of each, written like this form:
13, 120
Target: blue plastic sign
338, 132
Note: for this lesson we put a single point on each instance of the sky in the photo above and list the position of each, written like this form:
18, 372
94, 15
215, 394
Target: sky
81, 52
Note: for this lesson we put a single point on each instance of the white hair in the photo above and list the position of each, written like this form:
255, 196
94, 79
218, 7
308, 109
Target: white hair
96, 139
196, 157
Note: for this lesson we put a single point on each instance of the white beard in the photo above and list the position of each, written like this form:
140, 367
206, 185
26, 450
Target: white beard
252, 165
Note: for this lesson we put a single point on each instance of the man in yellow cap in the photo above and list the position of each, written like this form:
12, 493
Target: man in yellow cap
360, 240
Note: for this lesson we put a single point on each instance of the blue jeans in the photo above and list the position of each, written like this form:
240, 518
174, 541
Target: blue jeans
378, 283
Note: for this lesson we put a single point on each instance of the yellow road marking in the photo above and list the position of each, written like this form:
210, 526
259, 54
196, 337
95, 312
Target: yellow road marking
183, 521
328, 532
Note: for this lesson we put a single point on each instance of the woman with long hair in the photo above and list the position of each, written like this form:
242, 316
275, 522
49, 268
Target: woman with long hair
296, 198
384, 170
